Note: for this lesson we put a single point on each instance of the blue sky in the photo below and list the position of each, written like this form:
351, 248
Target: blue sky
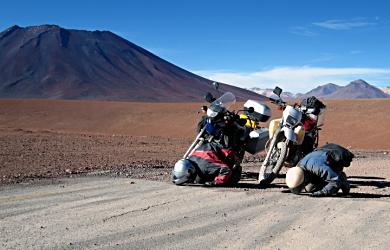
294, 44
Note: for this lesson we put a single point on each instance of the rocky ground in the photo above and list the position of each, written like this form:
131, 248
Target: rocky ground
56, 138
29, 156
32, 156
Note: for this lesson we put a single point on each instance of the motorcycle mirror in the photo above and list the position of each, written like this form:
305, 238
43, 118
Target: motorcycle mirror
216, 85
209, 97
250, 110
277, 91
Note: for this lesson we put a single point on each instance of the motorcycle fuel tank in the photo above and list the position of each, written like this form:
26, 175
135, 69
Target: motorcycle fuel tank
273, 125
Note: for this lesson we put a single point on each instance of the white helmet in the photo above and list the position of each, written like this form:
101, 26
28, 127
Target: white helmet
183, 172
295, 178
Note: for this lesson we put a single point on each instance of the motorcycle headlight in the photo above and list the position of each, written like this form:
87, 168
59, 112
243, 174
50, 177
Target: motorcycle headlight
291, 120
211, 113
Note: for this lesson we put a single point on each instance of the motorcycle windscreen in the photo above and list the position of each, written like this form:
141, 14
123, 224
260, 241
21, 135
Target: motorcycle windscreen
223, 102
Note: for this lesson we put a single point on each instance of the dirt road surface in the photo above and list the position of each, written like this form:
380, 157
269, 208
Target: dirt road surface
124, 213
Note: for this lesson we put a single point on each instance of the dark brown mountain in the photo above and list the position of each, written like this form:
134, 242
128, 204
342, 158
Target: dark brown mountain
51, 62
357, 89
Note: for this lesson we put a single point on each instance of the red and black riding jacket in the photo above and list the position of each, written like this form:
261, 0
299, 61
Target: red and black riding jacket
214, 163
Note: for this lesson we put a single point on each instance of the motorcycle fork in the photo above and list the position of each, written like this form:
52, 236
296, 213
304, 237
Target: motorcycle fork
194, 145
317, 137
274, 140
293, 154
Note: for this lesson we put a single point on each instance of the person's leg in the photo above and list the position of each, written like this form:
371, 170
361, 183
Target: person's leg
236, 175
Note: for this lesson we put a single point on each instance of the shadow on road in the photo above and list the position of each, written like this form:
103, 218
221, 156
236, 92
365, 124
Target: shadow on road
366, 177
373, 181
351, 195
355, 181
364, 195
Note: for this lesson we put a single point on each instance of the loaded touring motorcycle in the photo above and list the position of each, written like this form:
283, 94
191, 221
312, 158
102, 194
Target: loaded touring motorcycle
292, 136
221, 129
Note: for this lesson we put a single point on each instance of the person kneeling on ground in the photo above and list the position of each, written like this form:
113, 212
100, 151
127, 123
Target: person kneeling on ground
321, 172
210, 165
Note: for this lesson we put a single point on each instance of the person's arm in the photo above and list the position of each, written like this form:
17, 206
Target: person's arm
222, 178
331, 178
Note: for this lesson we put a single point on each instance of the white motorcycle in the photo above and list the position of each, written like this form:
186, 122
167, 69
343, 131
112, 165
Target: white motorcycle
287, 135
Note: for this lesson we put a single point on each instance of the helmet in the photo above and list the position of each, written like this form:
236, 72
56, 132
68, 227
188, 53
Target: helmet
295, 179
183, 172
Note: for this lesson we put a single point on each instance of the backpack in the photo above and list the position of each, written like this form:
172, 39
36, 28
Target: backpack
340, 156
313, 103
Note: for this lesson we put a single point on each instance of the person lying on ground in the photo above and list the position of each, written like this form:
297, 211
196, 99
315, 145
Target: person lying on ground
321, 172
210, 165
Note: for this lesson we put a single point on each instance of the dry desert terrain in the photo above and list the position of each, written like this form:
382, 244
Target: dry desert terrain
88, 174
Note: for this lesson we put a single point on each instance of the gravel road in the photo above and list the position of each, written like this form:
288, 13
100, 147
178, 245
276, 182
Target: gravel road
124, 213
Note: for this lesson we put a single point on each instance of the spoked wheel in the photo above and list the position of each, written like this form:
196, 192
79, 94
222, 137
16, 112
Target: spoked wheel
271, 166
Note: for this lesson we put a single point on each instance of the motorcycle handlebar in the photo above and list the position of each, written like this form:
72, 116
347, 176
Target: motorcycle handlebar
277, 102
272, 99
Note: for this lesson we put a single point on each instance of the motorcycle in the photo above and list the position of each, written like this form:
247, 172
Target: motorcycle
239, 131
292, 136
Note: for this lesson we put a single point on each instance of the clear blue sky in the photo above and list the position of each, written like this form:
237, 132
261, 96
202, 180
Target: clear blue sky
295, 44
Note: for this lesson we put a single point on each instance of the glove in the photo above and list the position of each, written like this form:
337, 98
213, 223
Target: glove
209, 184
345, 187
318, 194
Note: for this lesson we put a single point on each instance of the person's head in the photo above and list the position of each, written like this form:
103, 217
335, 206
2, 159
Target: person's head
295, 179
183, 172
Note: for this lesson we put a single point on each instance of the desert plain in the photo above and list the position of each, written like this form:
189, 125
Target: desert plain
95, 174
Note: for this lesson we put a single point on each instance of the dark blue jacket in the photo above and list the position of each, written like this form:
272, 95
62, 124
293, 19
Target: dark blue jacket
317, 168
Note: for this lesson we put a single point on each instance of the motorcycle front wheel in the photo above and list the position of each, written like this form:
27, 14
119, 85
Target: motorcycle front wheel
271, 167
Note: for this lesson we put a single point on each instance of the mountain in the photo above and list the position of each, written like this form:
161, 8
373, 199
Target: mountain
357, 89
322, 91
269, 93
48, 61
386, 90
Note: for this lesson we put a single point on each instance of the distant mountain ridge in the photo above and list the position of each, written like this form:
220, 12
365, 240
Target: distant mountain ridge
269, 93
48, 61
323, 90
358, 89
386, 90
